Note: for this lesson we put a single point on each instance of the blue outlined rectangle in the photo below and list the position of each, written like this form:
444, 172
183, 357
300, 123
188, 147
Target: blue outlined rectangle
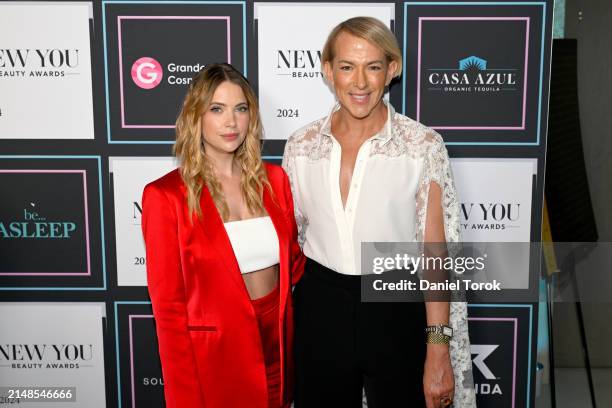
101, 210
117, 352
541, 71
146, 2
529, 340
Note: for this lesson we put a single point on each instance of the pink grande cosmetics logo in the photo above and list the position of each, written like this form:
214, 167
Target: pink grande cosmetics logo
147, 73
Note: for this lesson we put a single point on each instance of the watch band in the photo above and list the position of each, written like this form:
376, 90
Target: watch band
436, 338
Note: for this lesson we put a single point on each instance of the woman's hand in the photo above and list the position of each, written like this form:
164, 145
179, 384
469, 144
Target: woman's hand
438, 378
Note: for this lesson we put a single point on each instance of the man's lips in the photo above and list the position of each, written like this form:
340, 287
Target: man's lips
360, 98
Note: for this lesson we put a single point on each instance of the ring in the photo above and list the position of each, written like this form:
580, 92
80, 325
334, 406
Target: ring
446, 401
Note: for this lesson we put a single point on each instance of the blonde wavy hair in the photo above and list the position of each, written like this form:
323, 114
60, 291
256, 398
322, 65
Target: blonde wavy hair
195, 167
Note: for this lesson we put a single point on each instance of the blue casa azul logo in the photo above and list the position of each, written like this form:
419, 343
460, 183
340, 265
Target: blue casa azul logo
472, 75
472, 63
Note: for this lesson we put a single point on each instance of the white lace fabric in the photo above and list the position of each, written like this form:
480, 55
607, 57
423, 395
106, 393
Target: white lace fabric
408, 157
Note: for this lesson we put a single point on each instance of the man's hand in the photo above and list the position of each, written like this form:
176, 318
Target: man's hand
438, 378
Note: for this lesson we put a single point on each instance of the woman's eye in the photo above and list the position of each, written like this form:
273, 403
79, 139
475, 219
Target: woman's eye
242, 109
215, 109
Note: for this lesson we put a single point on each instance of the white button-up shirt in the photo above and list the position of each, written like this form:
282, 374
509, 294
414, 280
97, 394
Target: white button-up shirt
387, 196
387, 202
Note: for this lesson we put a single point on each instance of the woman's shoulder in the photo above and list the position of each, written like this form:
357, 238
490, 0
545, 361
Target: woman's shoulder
170, 183
275, 172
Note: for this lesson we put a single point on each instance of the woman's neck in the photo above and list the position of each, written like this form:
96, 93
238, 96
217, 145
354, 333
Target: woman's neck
224, 164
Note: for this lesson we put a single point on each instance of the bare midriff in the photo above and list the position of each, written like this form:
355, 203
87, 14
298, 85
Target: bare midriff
262, 282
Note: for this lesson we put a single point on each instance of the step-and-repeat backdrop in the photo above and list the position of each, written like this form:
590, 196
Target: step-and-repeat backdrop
89, 93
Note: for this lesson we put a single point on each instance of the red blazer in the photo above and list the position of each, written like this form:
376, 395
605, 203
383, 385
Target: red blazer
209, 341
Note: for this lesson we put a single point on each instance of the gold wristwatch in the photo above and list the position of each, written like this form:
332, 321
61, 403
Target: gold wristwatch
438, 334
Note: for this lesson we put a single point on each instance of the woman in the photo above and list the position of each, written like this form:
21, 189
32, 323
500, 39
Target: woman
222, 255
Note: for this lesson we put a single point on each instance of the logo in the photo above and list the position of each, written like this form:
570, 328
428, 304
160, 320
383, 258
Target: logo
483, 351
38, 62
38, 356
147, 73
143, 64
500, 358
136, 213
130, 176
490, 216
46, 224
55, 67
299, 63
502, 213
472, 76
35, 226
475, 75
152, 381
139, 366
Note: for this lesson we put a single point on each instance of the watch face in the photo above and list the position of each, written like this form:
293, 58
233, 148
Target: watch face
447, 331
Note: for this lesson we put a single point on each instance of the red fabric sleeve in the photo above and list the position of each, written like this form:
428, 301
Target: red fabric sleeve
167, 293
296, 257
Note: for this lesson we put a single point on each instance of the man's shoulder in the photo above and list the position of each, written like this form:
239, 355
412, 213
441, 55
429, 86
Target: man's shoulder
307, 133
412, 132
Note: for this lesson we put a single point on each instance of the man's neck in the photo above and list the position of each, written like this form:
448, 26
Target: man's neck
347, 128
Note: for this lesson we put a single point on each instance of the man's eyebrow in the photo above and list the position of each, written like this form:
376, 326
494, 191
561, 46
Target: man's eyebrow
368, 63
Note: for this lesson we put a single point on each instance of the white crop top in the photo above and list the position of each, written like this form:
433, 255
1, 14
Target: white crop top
255, 243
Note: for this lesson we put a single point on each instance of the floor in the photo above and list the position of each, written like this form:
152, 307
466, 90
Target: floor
572, 389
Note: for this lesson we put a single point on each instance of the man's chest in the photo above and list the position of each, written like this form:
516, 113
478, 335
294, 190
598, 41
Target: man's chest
371, 184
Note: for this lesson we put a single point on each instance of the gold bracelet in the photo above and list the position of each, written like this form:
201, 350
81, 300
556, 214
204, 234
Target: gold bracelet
436, 338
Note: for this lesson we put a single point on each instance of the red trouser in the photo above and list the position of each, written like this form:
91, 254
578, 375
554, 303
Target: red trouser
266, 309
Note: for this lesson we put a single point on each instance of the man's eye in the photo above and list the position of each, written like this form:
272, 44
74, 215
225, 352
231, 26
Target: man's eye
375, 68
345, 68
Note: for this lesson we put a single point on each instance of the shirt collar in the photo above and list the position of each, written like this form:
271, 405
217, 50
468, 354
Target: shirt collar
384, 135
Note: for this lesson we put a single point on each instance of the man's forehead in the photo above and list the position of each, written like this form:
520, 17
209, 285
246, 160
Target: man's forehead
348, 46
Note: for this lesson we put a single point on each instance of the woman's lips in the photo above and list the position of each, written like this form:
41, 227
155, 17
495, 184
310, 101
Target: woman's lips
230, 136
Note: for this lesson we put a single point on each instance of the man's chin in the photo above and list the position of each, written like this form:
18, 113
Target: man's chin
359, 112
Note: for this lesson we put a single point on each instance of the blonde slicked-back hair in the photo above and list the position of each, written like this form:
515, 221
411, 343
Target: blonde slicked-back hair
369, 29
195, 167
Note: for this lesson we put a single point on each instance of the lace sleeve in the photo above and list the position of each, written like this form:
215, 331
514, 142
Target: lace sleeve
289, 167
436, 169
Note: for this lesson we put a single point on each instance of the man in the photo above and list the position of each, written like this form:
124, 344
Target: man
364, 174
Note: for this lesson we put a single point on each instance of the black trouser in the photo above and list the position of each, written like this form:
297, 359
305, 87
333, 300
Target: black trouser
343, 345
